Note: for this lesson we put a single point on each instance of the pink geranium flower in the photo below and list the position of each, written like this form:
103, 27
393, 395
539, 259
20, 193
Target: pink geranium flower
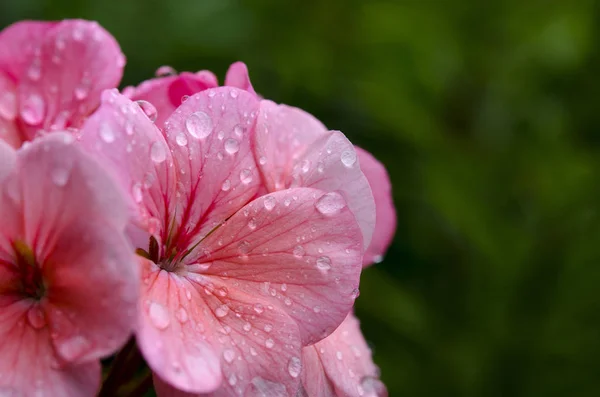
52, 74
68, 278
234, 283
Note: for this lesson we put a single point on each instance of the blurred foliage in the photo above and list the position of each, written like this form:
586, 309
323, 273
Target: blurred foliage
485, 115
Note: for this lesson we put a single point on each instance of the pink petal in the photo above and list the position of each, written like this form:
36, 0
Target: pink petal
77, 60
167, 93
18, 43
27, 361
315, 382
300, 249
283, 134
9, 131
201, 332
237, 76
331, 164
345, 358
210, 136
125, 141
175, 332
385, 225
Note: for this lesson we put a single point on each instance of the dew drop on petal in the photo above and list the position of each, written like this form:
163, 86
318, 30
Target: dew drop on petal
372, 387
231, 146
229, 355
148, 109
33, 109
330, 203
159, 316
36, 317
106, 133
158, 153
348, 157
338, 355
233, 93
294, 367
317, 309
269, 343
323, 263
298, 251
238, 130
268, 328
269, 203
60, 176
199, 125
258, 308
253, 351
247, 327
246, 176
181, 315
181, 139
222, 311
232, 379
226, 185
262, 160
165, 71
252, 224
136, 192
73, 347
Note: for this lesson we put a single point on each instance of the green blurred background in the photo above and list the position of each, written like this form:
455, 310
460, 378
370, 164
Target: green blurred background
486, 115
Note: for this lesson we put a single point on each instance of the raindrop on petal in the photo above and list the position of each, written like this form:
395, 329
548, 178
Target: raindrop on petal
148, 109
246, 176
165, 71
269, 203
323, 263
181, 139
106, 132
60, 176
232, 146
269, 343
222, 311
159, 316
33, 109
229, 355
330, 203
199, 125
158, 153
348, 157
294, 367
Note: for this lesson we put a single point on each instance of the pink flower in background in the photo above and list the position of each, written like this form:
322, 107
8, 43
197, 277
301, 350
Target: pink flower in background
234, 282
68, 278
52, 74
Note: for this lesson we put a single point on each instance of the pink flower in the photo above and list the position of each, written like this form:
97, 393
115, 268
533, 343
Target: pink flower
68, 280
234, 283
52, 74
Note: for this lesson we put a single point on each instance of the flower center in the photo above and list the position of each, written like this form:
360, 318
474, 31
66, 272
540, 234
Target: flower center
32, 282
166, 261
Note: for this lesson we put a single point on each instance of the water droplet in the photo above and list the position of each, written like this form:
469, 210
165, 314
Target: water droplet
253, 351
165, 71
73, 347
377, 258
232, 146
252, 224
330, 203
269, 203
83, 89
222, 311
188, 294
244, 247
294, 367
348, 157
77, 33
106, 132
355, 293
305, 166
226, 185
184, 98
269, 343
36, 317
136, 192
247, 327
222, 291
221, 135
284, 287
298, 251
246, 176
268, 328
258, 308
323, 263
262, 160
233, 93
33, 109
35, 71
229, 355
232, 380
199, 125
238, 130
320, 167
60, 176
159, 316
317, 309
181, 139
158, 153
8, 105
182, 315
287, 302
148, 109
372, 387
339, 355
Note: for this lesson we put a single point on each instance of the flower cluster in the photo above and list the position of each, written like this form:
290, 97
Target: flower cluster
196, 238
